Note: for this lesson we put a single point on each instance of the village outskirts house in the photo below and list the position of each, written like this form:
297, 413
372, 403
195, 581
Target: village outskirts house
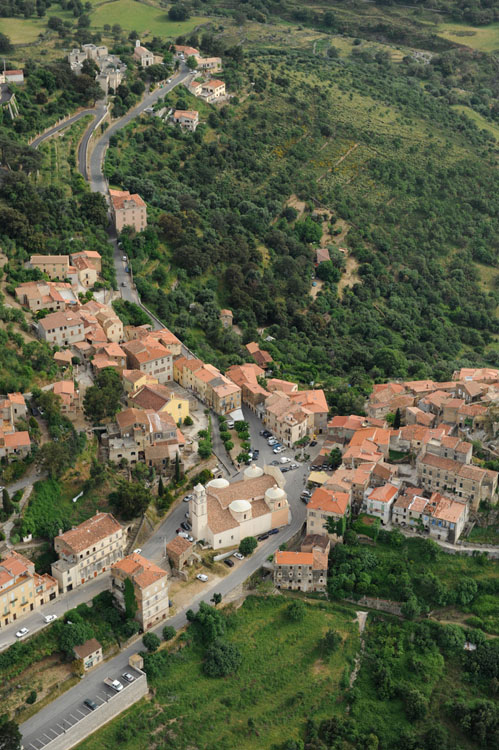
150, 586
378, 501
150, 357
179, 552
89, 653
55, 266
305, 570
188, 119
87, 551
46, 295
128, 210
212, 90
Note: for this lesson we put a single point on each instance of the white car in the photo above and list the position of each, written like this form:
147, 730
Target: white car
238, 556
183, 534
187, 498
279, 449
49, 618
124, 259
202, 577
285, 460
137, 551
271, 441
21, 633
128, 677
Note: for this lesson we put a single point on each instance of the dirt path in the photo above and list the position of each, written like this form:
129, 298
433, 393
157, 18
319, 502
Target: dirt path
352, 148
361, 619
349, 277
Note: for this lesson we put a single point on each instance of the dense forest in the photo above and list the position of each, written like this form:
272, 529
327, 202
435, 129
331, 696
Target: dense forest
410, 185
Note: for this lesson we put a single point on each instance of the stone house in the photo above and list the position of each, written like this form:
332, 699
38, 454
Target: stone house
212, 90
150, 586
142, 435
69, 396
178, 551
46, 295
128, 210
61, 328
288, 421
87, 551
324, 504
159, 398
55, 266
89, 652
260, 356
13, 408
443, 517
209, 64
150, 357
474, 484
14, 444
246, 377
227, 317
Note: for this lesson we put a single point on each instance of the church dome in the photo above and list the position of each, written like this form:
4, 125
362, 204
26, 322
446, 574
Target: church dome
240, 506
218, 483
275, 493
253, 471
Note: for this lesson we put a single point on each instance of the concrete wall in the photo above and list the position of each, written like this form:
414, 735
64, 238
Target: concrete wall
102, 715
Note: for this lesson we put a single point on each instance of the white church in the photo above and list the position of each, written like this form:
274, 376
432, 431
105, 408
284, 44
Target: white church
222, 514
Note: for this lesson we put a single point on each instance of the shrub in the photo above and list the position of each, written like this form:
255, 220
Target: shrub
188, 421
169, 632
151, 642
248, 545
221, 659
295, 612
31, 697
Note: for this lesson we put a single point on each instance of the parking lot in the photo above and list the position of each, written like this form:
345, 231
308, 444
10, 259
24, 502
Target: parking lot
91, 687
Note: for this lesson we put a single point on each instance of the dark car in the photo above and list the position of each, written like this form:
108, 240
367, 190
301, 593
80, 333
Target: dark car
284, 468
265, 433
256, 453
89, 703
305, 499
186, 525
312, 443
229, 563
273, 531
275, 463
262, 537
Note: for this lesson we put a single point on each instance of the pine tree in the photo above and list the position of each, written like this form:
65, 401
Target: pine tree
177, 468
396, 421
7, 503
161, 487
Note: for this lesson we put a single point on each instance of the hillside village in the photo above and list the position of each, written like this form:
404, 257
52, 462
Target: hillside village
171, 477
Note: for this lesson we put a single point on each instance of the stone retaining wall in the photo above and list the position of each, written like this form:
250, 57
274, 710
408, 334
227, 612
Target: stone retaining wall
102, 715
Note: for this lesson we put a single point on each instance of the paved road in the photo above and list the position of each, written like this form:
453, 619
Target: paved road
98, 183
92, 684
100, 112
63, 125
34, 621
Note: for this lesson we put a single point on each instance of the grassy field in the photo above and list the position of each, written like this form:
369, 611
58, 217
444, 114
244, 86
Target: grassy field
145, 19
23, 30
282, 681
483, 38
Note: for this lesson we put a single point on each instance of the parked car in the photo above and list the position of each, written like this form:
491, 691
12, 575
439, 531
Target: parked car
114, 684
124, 258
279, 449
312, 443
128, 677
230, 424
274, 463
187, 514
273, 531
262, 537
272, 441
49, 618
265, 433
89, 703
189, 538
202, 577
285, 460
123, 283
229, 562
21, 633
294, 466
238, 556
284, 469
183, 534
307, 492
186, 525
305, 499
256, 453
137, 551
187, 498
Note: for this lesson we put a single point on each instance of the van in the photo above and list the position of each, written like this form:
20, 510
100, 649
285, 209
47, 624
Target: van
230, 424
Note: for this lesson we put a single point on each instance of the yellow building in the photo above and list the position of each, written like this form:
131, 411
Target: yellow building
161, 399
22, 589
134, 380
